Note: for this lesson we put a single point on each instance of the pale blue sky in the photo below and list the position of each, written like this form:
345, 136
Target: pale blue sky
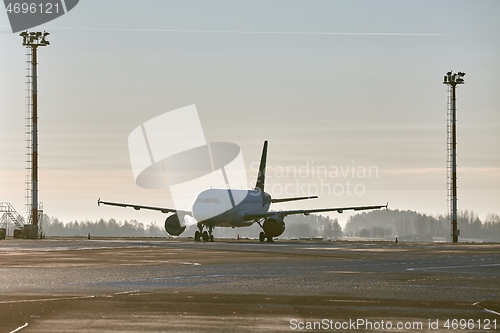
337, 100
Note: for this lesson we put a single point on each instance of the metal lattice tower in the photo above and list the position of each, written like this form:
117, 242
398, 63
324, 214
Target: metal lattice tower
452, 80
29, 129
449, 160
32, 40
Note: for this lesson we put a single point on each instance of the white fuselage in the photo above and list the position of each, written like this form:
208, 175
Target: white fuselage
227, 208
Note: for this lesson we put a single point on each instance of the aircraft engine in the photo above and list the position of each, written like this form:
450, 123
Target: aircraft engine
273, 226
173, 225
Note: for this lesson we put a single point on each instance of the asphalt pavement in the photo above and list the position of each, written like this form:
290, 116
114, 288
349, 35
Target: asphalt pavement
174, 285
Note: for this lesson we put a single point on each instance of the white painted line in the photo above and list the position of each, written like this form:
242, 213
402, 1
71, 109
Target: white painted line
440, 267
19, 328
485, 299
127, 292
491, 311
46, 299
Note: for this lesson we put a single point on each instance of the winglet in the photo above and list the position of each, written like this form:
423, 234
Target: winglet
99, 202
261, 177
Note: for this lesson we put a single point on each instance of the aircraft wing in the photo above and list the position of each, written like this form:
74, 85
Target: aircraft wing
139, 207
292, 199
284, 213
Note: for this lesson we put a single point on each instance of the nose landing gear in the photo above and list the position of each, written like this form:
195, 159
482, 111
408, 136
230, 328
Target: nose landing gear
204, 235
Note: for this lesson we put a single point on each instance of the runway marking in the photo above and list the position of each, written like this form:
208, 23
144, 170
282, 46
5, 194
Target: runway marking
323, 248
485, 309
190, 263
46, 299
351, 301
485, 299
491, 311
19, 328
127, 292
440, 267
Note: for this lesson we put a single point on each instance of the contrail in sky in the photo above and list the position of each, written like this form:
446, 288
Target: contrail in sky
243, 32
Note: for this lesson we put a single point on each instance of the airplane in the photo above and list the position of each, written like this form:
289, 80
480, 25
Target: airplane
216, 208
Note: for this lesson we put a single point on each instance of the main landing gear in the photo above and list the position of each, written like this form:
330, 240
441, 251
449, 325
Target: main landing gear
204, 235
262, 235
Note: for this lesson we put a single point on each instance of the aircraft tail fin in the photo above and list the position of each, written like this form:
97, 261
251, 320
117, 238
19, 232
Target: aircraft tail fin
261, 177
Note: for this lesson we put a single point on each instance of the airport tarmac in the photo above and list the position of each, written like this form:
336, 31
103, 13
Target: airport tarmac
177, 285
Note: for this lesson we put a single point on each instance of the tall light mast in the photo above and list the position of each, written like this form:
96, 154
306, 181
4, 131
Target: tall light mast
32, 40
452, 80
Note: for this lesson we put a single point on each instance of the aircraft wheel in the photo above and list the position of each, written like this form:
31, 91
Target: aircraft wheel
205, 236
269, 239
197, 236
262, 236
211, 238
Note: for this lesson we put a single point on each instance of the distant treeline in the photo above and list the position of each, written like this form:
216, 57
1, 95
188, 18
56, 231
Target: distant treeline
111, 228
416, 226
296, 226
407, 225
